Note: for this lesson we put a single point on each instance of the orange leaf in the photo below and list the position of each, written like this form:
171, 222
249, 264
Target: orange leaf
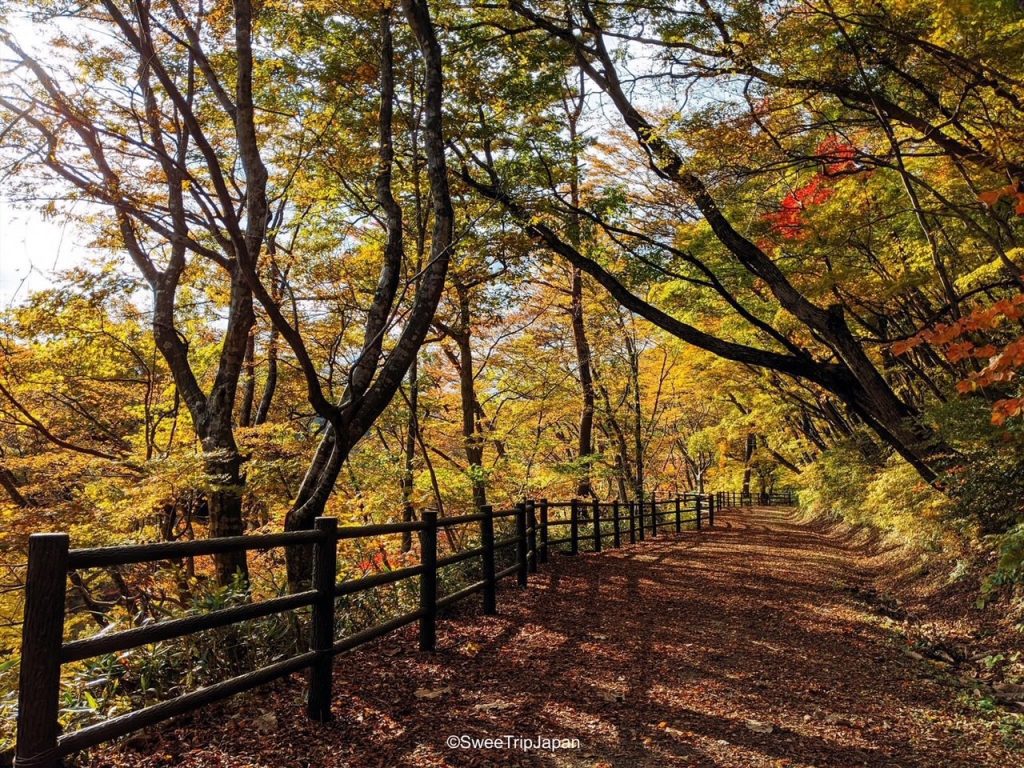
902, 347
986, 351
993, 196
957, 352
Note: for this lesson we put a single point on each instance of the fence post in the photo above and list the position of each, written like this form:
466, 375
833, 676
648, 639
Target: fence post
679, 515
543, 530
597, 526
531, 521
616, 528
654, 514
574, 527
487, 560
640, 518
697, 502
711, 513
42, 634
325, 571
632, 521
521, 544
428, 581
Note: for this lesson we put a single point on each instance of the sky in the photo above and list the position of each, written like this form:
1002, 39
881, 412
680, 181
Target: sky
31, 249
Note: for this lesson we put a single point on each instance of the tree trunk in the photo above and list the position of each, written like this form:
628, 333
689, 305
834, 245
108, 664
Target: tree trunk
860, 384
411, 432
574, 110
10, 484
473, 439
270, 386
352, 421
638, 443
748, 454
248, 382
582, 346
224, 500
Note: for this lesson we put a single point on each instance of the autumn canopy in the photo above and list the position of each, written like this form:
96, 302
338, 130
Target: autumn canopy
364, 259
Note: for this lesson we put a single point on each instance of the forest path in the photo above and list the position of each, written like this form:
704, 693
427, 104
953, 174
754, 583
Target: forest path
741, 646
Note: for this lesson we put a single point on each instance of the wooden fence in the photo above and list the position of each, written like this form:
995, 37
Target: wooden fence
540, 527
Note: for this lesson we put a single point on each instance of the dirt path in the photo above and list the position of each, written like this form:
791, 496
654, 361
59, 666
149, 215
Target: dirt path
685, 651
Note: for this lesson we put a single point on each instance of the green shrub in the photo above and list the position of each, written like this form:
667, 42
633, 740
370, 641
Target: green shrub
891, 498
836, 484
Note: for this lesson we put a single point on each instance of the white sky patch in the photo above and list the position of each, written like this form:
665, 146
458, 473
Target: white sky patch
32, 249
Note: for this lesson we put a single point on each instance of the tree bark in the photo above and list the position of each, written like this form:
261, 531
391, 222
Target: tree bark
412, 429
248, 383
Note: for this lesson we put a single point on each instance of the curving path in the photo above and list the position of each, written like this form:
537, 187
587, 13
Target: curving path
739, 646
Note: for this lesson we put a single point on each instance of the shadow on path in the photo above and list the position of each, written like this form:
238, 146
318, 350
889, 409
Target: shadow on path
681, 651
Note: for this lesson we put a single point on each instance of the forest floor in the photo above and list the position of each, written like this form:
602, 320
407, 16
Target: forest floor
761, 642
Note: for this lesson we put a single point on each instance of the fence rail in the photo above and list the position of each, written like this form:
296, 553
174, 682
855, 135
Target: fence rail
40, 743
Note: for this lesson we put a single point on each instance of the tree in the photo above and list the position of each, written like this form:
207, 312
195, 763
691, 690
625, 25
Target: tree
203, 146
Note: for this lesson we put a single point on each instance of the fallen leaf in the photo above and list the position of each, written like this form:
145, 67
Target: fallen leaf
431, 693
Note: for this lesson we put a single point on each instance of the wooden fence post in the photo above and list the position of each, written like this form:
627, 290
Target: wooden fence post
487, 560
321, 640
679, 514
543, 530
640, 518
711, 513
697, 503
42, 634
521, 544
654, 514
428, 581
631, 505
597, 526
574, 527
531, 521
616, 528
